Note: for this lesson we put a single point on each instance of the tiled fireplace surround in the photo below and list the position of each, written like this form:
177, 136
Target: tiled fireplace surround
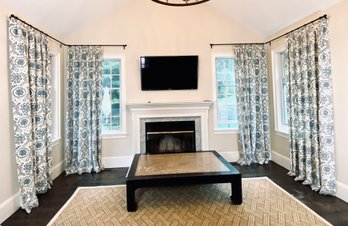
159, 112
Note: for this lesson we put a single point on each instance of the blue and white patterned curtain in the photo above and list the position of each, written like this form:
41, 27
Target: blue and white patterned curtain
31, 105
83, 110
252, 104
310, 107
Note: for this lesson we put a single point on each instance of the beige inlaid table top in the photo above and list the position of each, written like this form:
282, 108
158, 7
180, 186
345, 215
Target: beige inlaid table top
179, 163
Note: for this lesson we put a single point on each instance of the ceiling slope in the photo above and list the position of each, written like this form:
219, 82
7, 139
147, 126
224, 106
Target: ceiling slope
62, 17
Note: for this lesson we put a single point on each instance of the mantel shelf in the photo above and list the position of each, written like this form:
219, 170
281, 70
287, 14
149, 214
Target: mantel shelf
203, 104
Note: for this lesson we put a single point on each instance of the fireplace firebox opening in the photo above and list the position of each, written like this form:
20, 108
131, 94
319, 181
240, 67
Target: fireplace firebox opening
171, 136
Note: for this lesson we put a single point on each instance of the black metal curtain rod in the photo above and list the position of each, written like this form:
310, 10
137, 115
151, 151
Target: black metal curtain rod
13, 16
62, 43
295, 29
270, 41
236, 44
110, 45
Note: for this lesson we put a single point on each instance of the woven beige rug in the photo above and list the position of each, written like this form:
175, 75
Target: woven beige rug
264, 203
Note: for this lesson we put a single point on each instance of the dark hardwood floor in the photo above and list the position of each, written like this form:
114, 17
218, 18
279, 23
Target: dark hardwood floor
331, 208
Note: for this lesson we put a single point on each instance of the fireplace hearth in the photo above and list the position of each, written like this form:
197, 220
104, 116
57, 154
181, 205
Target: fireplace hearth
170, 136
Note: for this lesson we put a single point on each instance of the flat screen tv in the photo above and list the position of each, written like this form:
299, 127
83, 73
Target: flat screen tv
169, 72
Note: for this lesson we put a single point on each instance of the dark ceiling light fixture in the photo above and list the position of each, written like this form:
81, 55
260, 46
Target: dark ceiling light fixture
180, 2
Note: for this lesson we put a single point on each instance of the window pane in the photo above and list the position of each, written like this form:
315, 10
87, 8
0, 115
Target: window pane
106, 81
111, 95
280, 91
105, 123
115, 67
226, 94
285, 119
230, 92
221, 90
106, 102
232, 113
115, 110
115, 81
106, 67
222, 112
219, 76
229, 75
115, 123
115, 96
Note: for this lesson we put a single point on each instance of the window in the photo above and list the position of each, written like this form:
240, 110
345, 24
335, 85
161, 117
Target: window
55, 88
225, 94
280, 91
113, 115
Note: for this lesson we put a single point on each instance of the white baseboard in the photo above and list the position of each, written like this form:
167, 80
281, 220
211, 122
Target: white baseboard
232, 156
57, 169
342, 191
11, 205
282, 160
8, 207
117, 162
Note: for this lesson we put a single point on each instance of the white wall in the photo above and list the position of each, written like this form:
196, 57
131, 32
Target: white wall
9, 196
7, 160
338, 19
152, 29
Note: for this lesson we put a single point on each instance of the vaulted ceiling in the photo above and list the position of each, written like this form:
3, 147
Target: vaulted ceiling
61, 17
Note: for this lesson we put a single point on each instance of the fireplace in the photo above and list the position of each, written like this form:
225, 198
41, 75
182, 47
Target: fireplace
170, 136
141, 114
174, 128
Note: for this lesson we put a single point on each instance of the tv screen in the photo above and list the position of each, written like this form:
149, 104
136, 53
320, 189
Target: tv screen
169, 72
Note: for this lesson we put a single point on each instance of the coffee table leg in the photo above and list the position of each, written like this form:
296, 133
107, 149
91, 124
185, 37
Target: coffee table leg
131, 204
236, 186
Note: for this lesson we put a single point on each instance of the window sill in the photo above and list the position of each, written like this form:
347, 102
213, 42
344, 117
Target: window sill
120, 135
225, 131
282, 134
55, 142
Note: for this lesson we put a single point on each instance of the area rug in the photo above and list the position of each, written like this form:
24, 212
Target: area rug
264, 203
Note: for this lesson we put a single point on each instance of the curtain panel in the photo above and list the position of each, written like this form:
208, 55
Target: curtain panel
29, 65
311, 107
83, 110
252, 104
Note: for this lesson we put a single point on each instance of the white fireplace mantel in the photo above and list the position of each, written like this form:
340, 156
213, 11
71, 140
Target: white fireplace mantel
201, 104
169, 110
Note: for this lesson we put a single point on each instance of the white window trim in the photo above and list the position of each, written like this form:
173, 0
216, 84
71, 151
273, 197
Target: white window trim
57, 102
280, 128
122, 133
55, 142
217, 130
282, 134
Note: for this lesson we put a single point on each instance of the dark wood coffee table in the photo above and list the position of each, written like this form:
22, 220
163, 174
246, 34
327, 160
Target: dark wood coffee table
201, 167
